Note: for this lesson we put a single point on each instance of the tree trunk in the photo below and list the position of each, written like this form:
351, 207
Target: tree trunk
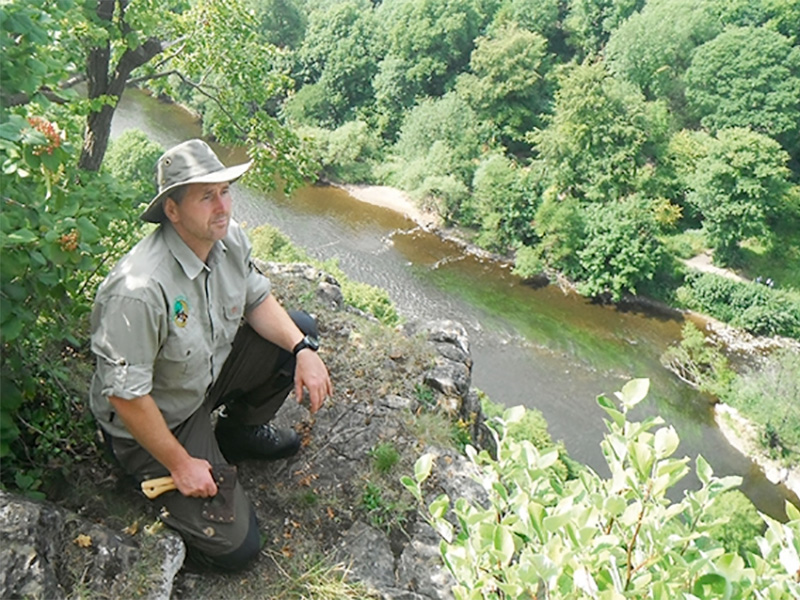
101, 83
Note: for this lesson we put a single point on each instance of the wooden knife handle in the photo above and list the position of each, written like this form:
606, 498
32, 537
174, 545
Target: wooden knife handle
153, 488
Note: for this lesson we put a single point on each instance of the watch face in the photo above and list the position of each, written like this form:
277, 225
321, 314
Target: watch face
311, 342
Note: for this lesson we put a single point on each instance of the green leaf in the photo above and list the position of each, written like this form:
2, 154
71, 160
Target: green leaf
89, 232
666, 442
444, 529
438, 507
504, 543
792, 512
514, 414
553, 523
22, 236
615, 505
422, 468
633, 392
611, 409
11, 329
548, 458
704, 470
50, 161
11, 129
712, 586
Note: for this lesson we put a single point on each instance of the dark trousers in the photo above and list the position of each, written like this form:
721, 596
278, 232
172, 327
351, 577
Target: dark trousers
253, 384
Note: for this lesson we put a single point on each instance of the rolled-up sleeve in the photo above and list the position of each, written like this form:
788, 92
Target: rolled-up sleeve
125, 340
258, 287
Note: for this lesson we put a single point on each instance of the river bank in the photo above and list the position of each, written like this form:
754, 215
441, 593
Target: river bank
740, 433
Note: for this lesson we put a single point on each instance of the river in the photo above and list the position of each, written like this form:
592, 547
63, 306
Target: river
535, 346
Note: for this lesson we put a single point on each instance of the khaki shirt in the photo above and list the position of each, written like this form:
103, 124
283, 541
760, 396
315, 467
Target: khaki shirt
163, 322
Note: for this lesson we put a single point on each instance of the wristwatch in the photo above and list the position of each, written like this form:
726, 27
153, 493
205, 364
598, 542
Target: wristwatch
309, 342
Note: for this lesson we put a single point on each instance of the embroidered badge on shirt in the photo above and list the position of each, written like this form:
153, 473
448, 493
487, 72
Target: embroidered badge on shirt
181, 311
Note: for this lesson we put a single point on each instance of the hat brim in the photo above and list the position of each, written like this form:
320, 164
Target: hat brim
154, 213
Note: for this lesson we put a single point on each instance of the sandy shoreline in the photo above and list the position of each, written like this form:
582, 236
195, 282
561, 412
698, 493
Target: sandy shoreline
393, 199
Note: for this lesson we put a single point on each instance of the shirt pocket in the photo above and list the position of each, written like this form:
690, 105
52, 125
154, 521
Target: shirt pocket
232, 319
178, 357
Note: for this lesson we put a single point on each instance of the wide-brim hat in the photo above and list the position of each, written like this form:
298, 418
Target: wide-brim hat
190, 162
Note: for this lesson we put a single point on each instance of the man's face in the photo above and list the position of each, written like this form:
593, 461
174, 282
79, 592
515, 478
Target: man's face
203, 215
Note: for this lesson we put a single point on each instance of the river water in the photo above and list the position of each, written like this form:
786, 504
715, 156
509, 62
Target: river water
539, 347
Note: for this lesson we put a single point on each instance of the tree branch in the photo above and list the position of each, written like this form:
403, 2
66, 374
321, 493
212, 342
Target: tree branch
193, 85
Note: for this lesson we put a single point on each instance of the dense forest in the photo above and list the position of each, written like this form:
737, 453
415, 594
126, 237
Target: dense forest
604, 142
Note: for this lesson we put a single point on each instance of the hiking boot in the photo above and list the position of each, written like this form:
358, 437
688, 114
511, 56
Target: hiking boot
265, 442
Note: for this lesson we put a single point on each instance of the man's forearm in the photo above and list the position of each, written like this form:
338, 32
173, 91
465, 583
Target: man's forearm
146, 424
271, 321
143, 419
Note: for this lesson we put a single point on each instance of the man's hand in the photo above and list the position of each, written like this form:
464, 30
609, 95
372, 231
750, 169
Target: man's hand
193, 478
311, 373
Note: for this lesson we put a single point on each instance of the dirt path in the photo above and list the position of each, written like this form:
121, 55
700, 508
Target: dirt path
703, 262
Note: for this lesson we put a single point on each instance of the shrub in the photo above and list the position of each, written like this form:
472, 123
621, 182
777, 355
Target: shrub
346, 153
621, 250
131, 159
593, 537
698, 363
61, 230
269, 243
770, 397
757, 308
740, 524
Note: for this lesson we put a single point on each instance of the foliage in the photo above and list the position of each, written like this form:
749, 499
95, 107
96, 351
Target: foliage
615, 537
738, 187
346, 153
538, 16
501, 203
770, 397
560, 226
438, 144
383, 511
593, 146
131, 158
282, 22
431, 39
507, 84
622, 248
338, 56
747, 77
755, 307
778, 259
739, 524
532, 427
271, 244
32, 48
385, 456
654, 47
698, 362
590, 22
60, 234
370, 299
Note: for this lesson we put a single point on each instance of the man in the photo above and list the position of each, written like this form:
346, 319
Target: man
185, 324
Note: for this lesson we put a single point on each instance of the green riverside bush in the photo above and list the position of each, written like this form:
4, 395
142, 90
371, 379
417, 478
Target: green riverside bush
757, 308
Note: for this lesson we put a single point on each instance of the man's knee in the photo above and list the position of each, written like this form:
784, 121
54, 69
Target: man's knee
305, 322
235, 560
